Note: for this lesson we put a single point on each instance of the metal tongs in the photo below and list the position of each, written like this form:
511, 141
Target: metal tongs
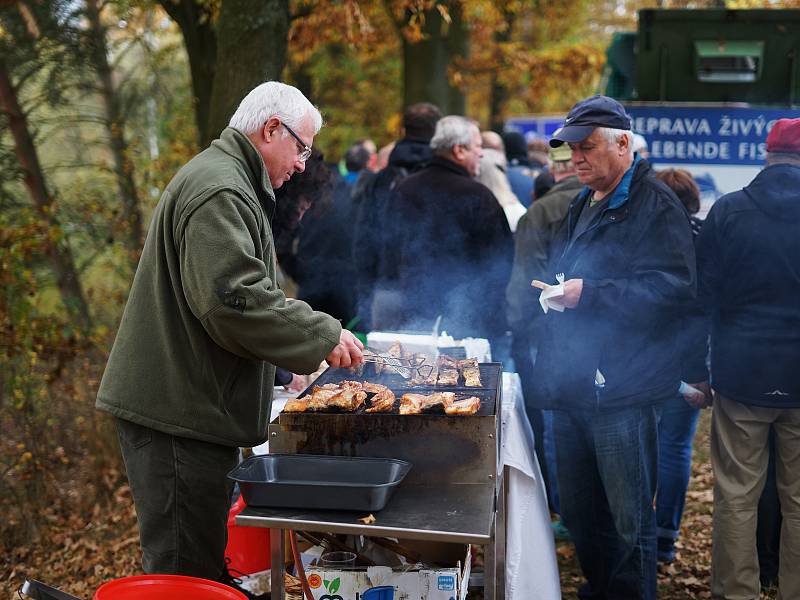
405, 367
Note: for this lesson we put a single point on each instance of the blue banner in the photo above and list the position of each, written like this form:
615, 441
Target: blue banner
721, 135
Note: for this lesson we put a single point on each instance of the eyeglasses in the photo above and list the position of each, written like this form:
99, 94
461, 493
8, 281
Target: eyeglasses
305, 153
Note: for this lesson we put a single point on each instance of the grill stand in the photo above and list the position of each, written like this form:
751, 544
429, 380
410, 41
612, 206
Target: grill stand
414, 512
455, 491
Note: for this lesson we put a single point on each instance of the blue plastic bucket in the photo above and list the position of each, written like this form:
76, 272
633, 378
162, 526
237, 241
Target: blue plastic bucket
384, 592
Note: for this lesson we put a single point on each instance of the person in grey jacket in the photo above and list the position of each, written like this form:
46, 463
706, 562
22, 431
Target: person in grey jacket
190, 376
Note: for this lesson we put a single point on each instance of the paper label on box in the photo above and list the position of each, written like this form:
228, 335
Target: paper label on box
446, 582
412, 585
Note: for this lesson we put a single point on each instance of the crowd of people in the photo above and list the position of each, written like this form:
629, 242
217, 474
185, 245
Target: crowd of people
449, 226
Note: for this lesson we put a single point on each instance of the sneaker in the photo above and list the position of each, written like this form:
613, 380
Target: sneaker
231, 578
560, 532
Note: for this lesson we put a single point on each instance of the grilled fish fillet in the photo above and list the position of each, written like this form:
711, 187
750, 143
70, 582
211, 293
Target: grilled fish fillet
411, 404
297, 404
438, 399
348, 399
472, 376
373, 388
447, 376
382, 401
321, 395
414, 404
467, 406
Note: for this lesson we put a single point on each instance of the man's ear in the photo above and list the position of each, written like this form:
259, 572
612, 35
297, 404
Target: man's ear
270, 129
458, 152
624, 144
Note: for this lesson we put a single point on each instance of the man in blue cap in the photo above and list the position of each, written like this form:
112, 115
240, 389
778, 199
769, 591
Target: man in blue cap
609, 359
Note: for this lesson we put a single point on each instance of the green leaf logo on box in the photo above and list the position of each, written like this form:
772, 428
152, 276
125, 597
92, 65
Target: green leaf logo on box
332, 587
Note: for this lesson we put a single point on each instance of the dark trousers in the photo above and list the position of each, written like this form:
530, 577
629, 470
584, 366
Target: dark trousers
182, 498
606, 464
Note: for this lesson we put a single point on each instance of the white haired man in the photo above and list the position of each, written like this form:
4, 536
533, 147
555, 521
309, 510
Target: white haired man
190, 377
447, 244
609, 359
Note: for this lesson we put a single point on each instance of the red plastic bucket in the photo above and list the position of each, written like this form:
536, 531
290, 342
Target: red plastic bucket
165, 587
248, 547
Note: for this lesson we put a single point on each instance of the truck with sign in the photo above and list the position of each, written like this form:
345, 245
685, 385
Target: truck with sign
703, 87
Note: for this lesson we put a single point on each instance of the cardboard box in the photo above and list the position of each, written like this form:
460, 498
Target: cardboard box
427, 584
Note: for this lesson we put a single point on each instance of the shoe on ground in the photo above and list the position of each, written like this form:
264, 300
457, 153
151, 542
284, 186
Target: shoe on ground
231, 579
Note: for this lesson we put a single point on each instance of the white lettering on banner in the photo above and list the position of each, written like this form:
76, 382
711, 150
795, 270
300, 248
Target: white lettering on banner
751, 151
690, 150
666, 126
736, 127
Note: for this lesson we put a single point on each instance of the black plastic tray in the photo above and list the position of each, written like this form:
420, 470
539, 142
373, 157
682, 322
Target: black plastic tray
321, 482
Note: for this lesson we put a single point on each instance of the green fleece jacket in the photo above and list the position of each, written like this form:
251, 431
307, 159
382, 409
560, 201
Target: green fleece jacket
205, 323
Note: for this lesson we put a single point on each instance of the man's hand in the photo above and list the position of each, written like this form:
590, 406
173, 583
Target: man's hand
347, 353
297, 384
701, 400
572, 293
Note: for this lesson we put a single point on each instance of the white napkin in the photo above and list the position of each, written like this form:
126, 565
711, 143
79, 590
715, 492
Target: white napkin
550, 298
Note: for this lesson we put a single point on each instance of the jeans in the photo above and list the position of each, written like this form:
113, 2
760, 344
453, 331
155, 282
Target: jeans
676, 427
606, 463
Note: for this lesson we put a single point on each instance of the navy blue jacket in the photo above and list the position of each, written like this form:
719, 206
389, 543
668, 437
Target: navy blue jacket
749, 271
637, 262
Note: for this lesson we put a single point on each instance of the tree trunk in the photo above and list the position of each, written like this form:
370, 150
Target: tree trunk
200, 39
115, 125
58, 250
251, 49
499, 92
426, 63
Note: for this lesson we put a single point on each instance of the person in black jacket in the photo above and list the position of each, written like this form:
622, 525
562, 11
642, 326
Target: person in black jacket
610, 358
370, 196
533, 240
449, 250
749, 267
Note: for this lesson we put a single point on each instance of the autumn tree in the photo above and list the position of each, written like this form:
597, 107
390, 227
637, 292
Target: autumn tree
115, 123
434, 35
38, 43
232, 45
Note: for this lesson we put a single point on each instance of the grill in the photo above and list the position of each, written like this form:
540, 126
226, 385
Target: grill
442, 449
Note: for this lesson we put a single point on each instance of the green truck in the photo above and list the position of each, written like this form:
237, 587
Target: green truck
703, 87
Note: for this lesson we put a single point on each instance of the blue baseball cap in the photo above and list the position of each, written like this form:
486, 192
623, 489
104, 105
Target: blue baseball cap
586, 116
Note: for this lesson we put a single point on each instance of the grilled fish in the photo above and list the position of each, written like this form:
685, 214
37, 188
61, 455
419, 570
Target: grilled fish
414, 404
472, 376
297, 404
382, 401
447, 376
467, 406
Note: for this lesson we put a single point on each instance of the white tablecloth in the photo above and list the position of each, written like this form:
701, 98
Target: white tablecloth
531, 567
